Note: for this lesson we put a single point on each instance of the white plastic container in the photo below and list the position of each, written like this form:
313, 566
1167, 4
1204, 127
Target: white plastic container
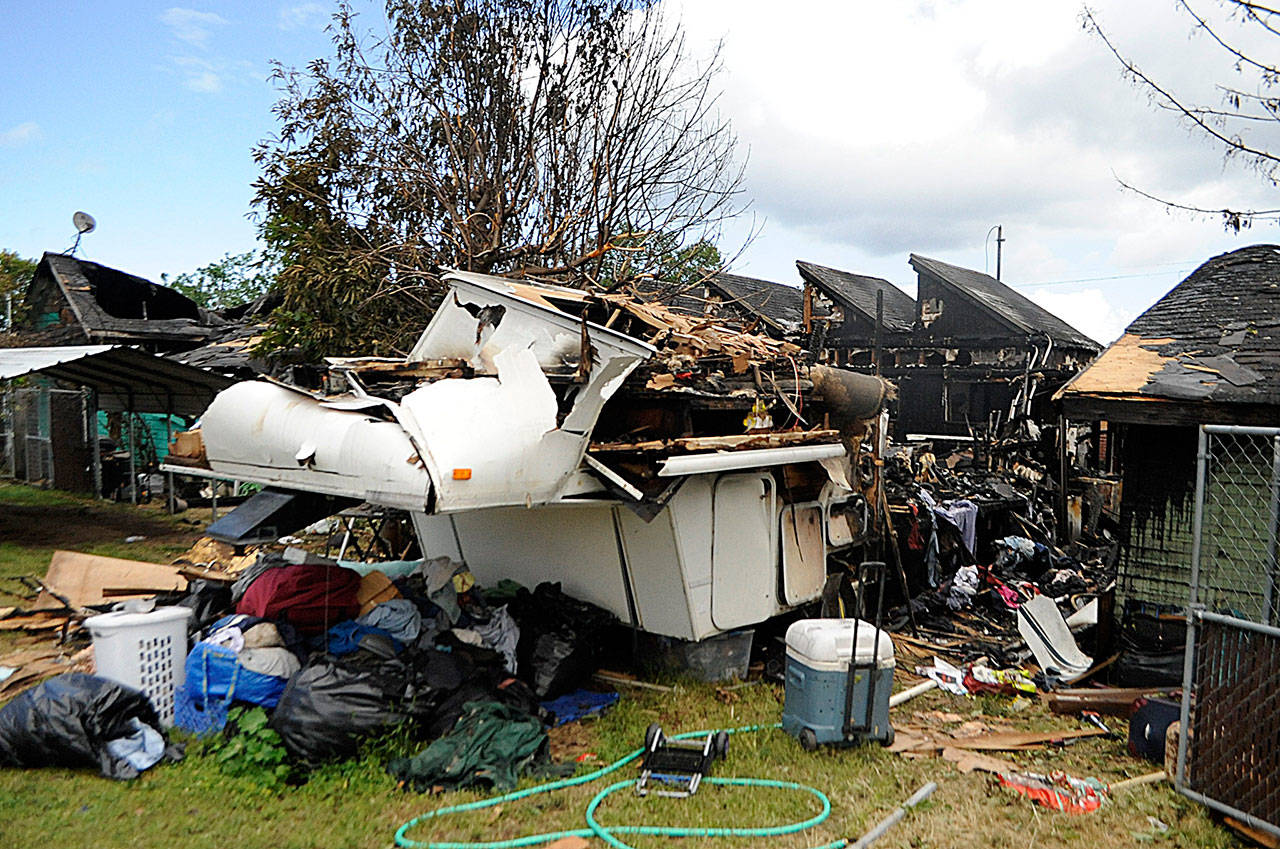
146, 651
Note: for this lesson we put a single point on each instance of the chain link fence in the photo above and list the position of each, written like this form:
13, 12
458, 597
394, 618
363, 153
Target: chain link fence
1229, 758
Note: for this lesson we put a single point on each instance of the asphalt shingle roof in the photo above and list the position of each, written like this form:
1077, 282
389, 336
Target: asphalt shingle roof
777, 303
858, 292
1016, 309
1214, 337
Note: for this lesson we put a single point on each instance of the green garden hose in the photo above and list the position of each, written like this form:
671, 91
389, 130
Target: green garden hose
609, 833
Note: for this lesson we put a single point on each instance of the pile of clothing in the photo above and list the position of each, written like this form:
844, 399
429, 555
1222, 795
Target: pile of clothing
339, 651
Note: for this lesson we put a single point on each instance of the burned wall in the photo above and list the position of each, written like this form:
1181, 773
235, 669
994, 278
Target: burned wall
1156, 513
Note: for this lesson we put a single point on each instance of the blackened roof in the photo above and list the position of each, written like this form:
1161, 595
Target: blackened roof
1214, 337
777, 304
111, 305
858, 292
1015, 309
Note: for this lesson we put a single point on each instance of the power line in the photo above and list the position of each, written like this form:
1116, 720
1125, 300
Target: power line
1184, 268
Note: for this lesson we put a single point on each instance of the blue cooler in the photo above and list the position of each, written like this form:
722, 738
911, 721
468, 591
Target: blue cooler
832, 694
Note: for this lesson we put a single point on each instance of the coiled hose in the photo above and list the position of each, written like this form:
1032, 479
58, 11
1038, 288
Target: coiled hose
609, 834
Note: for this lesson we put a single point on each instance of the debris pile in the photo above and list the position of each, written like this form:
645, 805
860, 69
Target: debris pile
975, 538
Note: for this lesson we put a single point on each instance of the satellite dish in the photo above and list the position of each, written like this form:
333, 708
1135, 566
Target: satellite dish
84, 222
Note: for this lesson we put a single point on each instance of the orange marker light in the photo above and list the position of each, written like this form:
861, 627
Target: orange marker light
462, 474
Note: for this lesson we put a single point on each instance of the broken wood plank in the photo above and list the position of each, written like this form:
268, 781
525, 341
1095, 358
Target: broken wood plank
1013, 740
617, 678
732, 442
81, 579
204, 574
1109, 701
33, 623
967, 761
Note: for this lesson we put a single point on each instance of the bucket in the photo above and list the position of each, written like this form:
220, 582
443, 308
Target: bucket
146, 651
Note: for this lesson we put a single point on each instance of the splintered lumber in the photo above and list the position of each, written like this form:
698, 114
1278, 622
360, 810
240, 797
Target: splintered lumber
33, 623
1109, 701
81, 580
1011, 740
733, 442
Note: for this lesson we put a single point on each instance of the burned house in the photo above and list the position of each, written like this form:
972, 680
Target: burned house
685, 475
112, 361
969, 354
1208, 352
72, 301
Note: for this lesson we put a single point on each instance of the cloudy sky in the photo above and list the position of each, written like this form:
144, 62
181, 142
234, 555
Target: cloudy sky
873, 130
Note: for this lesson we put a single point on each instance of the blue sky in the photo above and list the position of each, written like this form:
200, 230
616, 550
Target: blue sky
873, 130
144, 115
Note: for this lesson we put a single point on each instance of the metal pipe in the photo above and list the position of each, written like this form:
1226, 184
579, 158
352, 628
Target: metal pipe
1240, 430
1188, 658
894, 818
1248, 819
1243, 624
1269, 596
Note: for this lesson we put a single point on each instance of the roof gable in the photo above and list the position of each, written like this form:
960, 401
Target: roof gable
109, 304
858, 292
1007, 305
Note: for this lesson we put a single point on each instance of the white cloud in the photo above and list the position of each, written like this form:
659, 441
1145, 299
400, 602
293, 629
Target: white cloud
191, 26
304, 16
1088, 310
27, 131
201, 75
881, 129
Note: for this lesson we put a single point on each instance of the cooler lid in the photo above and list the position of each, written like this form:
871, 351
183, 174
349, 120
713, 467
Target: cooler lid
831, 641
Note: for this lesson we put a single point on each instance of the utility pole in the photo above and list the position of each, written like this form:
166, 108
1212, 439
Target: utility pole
999, 247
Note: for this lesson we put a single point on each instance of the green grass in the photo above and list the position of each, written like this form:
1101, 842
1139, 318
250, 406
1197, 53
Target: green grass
52, 519
356, 804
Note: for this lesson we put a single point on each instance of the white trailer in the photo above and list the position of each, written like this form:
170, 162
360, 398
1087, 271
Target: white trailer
493, 469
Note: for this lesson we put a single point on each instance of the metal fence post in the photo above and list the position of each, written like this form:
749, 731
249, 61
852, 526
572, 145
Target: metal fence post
1269, 591
1188, 660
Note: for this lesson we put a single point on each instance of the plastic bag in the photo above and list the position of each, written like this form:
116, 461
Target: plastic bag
328, 706
214, 673
69, 720
561, 638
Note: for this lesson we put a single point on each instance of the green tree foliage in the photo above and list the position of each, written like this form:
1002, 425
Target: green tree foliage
533, 137
233, 280
15, 273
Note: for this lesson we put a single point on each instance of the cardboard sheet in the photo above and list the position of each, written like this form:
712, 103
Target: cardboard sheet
81, 579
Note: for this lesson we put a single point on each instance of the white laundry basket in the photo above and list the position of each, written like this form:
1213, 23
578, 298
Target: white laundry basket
146, 651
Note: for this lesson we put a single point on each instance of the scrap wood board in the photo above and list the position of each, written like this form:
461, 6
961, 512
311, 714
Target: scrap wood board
83, 578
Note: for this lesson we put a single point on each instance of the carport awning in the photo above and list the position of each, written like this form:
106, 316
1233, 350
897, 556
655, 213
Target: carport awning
124, 378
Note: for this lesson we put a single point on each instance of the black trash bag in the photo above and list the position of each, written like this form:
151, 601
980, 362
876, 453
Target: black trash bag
331, 704
561, 638
1148, 726
1149, 669
210, 601
68, 721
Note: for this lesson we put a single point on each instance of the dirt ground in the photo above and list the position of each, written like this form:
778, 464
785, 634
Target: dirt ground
73, 526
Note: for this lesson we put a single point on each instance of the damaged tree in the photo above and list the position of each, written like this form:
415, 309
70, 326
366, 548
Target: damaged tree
1241, 122
539, 136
